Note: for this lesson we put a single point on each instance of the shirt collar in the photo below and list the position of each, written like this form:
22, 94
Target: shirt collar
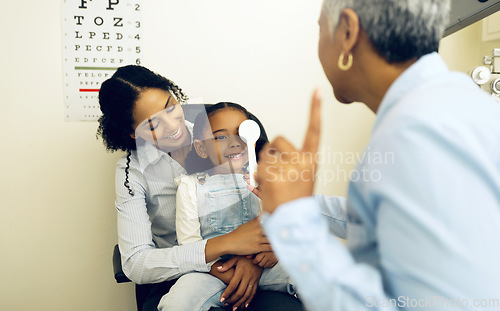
148, 154
426, 67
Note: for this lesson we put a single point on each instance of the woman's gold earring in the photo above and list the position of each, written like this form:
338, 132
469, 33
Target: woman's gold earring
341, 62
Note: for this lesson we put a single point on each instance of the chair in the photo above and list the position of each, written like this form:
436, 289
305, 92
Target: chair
142, 291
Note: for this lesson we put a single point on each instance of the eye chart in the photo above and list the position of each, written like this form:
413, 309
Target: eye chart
98, 36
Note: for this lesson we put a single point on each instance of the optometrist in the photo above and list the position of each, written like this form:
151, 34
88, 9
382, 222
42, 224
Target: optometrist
426, 233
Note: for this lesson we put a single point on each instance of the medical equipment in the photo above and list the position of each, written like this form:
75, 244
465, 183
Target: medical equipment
487, 77
249, 132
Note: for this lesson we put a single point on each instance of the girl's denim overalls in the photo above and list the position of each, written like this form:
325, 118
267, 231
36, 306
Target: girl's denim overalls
224, 203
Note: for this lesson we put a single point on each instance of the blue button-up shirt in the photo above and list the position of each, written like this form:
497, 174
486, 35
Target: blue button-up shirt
422, 218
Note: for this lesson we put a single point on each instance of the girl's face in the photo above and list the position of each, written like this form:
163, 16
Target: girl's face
159, 119
221, 142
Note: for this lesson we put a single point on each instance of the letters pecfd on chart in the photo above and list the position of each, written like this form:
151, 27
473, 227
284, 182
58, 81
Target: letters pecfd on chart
98, 36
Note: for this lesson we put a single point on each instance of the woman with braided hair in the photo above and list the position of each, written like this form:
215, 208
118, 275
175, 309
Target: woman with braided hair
142, 116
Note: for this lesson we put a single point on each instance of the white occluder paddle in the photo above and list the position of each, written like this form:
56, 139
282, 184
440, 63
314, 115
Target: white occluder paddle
249, 132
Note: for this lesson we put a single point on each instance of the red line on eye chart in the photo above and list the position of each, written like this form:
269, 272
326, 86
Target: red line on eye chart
89, 90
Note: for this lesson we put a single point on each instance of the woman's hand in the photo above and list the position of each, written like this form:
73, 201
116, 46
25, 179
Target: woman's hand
247, 239
285, 173
243, 285
224, 276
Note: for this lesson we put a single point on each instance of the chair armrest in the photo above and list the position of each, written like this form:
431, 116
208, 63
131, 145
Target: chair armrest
120, 277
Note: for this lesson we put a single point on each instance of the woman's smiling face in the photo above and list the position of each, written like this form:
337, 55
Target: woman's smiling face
159, 119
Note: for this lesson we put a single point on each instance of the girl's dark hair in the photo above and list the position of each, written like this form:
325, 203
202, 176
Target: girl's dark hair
196, 164
117, 97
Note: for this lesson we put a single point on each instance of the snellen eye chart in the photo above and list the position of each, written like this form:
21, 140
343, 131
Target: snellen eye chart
98, 36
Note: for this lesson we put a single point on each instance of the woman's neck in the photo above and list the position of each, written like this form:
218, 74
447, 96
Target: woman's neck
181, 153
374, 73
379, 82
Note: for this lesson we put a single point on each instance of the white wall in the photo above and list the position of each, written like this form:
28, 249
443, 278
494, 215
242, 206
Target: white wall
58, 226
261, 54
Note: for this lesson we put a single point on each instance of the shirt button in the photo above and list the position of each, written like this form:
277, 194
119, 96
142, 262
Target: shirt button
305, 267
284, 234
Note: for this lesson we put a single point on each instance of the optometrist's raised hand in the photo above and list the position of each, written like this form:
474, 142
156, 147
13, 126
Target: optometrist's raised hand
285, 173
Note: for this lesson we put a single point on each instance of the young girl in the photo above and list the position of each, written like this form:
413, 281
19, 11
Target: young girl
214, 200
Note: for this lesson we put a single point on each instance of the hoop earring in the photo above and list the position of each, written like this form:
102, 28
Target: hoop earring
341, 62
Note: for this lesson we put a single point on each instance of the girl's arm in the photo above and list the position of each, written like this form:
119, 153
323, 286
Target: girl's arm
265, 259
187, 223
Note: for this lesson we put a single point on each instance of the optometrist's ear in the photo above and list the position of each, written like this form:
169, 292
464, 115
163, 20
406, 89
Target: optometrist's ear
350, 29
199, 146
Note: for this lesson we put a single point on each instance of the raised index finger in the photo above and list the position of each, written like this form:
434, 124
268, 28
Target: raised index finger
311, 141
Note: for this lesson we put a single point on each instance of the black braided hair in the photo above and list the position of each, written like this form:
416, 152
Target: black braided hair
127, 169
117, 98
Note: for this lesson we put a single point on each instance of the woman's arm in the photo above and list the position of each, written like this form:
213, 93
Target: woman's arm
143, 262
247, 239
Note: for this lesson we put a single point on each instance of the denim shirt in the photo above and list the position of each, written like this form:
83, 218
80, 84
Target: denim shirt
224, 203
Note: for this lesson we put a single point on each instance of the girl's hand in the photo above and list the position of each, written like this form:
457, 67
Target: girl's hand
243, 285
265, 260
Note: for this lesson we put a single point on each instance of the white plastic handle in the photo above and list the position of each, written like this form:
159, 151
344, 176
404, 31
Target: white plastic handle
249, 132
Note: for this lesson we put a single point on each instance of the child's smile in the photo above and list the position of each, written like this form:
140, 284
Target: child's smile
222, 144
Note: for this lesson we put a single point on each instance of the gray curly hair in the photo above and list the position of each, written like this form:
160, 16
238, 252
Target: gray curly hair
400, 30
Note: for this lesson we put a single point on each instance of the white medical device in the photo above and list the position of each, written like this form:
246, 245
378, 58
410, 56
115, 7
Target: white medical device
249, 132
487, 77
